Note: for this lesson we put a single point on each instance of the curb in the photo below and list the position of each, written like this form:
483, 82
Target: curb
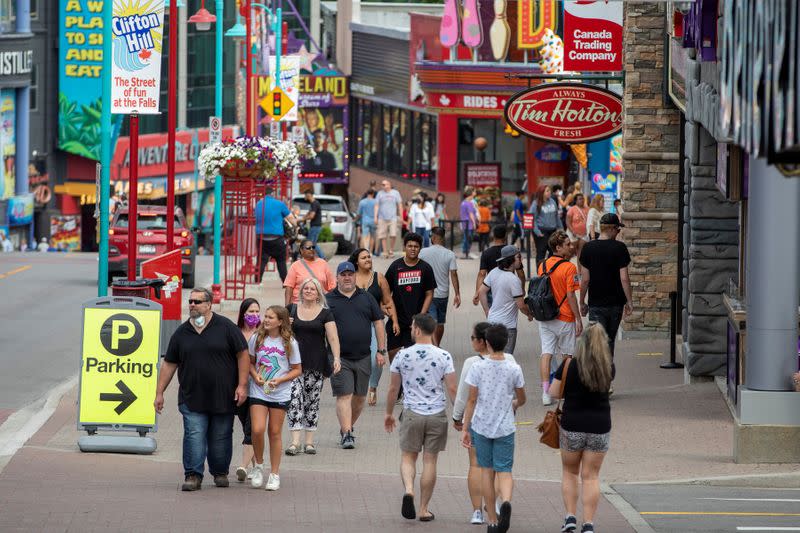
630, 514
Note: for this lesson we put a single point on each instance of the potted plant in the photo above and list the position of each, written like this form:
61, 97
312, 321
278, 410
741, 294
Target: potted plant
326, 242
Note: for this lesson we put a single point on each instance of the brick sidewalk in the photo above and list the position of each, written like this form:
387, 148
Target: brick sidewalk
662, 430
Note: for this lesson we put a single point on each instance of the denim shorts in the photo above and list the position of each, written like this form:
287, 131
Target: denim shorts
497, 454
368, 228
438, 310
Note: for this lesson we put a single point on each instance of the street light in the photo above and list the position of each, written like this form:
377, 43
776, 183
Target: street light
203, 18
237, 31
179, 4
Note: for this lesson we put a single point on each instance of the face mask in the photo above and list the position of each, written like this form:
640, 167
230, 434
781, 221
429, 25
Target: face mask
252, 321
199, 321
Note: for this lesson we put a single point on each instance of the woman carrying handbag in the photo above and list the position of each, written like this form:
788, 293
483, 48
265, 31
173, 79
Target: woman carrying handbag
585, 430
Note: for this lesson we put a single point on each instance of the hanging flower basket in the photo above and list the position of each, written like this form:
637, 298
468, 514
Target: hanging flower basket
252, 157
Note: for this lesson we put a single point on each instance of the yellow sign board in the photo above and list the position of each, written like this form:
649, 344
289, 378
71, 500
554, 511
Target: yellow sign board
276, 103
119, 366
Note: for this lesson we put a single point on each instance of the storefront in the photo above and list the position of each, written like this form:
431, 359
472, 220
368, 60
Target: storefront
77, 196
16, 67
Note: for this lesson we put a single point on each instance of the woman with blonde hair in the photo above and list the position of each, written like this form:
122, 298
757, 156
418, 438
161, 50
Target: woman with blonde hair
585, 423
274, 363
596, 212
313, 324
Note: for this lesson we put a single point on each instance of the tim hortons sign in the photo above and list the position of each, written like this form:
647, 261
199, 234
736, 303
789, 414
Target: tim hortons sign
572, 113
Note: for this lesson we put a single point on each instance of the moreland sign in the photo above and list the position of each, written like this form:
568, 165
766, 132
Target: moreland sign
573, 113
593, 36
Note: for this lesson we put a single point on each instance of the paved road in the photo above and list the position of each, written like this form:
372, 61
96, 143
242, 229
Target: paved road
704, 508
40, 302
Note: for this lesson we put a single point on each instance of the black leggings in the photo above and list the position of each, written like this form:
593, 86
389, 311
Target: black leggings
541, 245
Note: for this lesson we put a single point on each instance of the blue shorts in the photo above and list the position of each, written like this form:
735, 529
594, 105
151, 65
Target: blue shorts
368, 228
438, 310
497, 454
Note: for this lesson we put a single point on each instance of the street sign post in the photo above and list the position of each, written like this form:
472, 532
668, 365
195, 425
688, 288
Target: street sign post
527, 227
214, 130
120, 349
276, 104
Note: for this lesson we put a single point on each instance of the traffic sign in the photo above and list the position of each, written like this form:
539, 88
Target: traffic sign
119, 363
276, 103
214, 130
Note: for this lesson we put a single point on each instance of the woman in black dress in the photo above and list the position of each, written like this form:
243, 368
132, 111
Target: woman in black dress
312, 324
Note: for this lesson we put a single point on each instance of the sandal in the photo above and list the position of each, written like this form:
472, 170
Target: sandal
372, 397
310, 449
427, 518
292, 450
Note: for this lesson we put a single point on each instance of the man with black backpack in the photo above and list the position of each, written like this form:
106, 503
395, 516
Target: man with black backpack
555, 309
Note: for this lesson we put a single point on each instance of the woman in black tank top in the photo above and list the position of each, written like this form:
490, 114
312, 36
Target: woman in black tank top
375, 284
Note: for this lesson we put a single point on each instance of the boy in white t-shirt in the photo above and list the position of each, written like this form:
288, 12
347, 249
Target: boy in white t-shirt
496, 391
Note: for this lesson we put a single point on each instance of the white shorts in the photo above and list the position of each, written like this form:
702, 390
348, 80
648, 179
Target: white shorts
558, 337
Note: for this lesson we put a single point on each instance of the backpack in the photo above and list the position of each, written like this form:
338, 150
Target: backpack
540, 298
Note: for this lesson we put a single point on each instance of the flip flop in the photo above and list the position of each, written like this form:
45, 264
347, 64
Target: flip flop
428, 518
407, 510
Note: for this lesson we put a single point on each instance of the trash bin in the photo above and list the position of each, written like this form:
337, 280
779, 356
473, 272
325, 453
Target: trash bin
137, 288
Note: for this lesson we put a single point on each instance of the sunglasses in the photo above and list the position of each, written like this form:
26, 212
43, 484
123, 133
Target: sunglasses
196, 302
308, 247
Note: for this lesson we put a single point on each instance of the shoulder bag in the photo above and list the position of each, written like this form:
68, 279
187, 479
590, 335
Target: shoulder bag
550, 427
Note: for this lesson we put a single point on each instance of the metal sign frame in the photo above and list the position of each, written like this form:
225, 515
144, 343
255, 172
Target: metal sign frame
122, 303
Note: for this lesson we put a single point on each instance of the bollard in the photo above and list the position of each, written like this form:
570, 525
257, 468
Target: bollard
673, 326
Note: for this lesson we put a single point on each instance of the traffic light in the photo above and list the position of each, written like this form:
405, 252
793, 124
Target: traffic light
276, 104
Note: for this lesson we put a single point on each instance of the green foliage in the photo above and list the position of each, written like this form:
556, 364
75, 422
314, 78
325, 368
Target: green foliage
325, 234
79, 129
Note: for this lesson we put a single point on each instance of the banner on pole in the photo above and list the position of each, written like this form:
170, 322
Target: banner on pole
593, 36
290, 83
137, 29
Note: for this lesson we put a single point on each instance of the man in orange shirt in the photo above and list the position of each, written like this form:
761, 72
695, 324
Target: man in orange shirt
309, 265
558, 335
485, 215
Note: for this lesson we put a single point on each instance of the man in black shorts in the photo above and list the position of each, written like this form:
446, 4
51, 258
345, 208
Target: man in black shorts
355, 312
411, 282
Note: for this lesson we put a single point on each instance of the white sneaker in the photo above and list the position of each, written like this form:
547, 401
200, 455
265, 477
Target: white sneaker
257, 477
477, 517
546, 399
273, 482
250, 472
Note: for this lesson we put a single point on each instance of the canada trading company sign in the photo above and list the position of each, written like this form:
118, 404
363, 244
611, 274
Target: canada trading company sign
572, 113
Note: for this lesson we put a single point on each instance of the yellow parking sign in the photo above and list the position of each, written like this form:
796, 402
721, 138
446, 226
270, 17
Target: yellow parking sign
119, 364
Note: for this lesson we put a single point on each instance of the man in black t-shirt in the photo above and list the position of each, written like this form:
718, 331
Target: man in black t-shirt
210, 355
604, 275
314, 219
355, 313
411, 282
489, 259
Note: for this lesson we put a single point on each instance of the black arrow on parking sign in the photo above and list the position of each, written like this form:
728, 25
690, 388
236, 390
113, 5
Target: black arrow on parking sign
125, 398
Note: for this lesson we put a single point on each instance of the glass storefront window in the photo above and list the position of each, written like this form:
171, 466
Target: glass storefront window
396, 141
504, 149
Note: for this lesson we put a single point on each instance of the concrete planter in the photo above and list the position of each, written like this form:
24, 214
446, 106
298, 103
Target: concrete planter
328, 248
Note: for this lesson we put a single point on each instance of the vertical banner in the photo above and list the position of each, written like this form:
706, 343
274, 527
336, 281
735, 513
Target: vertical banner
65, 233
593, 36
137, 28
324, 121
8, 143
80, 62
290, 82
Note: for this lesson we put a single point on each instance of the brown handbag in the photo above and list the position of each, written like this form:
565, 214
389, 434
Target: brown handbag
552, 419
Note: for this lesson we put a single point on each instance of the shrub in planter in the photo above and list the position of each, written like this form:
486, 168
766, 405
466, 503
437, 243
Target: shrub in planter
325, 234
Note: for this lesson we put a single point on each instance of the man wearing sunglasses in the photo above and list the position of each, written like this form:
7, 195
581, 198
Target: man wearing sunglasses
210, 355
307, 266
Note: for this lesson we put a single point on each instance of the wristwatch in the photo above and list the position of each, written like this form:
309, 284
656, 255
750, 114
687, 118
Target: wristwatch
382, 351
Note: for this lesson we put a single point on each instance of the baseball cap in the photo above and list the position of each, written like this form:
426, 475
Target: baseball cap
611, 219
345, 266
509, 250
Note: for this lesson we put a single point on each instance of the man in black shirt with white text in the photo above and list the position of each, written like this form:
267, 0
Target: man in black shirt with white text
210, 355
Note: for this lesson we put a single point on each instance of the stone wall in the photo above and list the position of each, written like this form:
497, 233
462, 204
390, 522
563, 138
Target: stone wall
710, 231
651, 180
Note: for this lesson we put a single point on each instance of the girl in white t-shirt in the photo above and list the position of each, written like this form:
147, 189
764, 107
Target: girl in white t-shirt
274, 363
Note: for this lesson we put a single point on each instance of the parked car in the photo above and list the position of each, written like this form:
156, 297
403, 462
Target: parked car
335, 214
151, 241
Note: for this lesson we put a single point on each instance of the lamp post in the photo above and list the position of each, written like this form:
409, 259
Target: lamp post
203, 19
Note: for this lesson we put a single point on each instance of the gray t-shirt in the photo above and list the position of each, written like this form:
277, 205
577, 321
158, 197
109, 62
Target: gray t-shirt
387, 204
505, 287
442, 261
